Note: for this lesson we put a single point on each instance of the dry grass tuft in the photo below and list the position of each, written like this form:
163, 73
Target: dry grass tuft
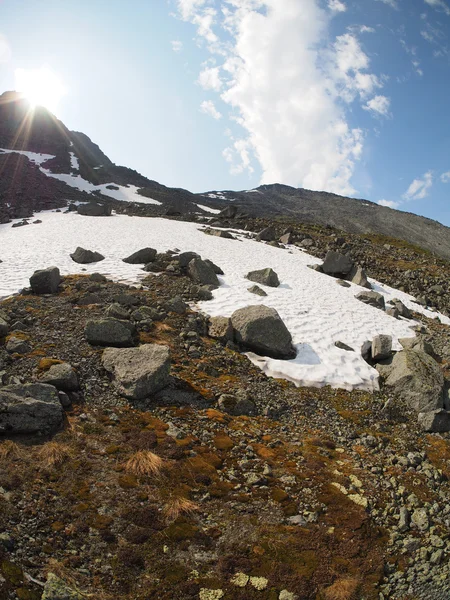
53, 454
342, 589
9, 449
179, 506
144, 463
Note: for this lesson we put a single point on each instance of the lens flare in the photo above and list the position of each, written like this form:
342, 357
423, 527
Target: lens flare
42, 87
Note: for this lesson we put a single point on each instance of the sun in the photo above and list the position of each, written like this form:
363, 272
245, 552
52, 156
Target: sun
42, 87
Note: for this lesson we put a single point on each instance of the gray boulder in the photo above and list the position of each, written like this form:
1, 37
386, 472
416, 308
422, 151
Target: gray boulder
381, 347
176, 305
16, 345
336, 263
287, 238
402, 310
229, 212
264, 277
138, 372
416, 378
45, 281
418, 344
30, 408
219, 233
260, 328
220, 328
267, 235
141, 257
147, 313
372, 298
110, 332
3, 328
317, 268
217, 270
62, 376
201, 272
435, 421
185, 258
93, 209
358, 276
116, 311
255, 289
85, 257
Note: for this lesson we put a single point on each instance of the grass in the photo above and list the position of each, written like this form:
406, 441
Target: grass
53, 454
179, 506
342, 589
144, 463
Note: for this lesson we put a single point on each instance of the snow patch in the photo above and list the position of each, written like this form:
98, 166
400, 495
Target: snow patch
75, 165
215, 211
34, 157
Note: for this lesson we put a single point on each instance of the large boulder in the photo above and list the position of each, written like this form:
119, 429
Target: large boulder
220, 328
93, 209
264, 277
30, 408
110, 332
267, 235
202, 272
336, 263
185, 258
85, 257
435, 421
45, 281
62, 376
260, 328
402, 310
141, 257
358, 276
416, 378
372, 298
138, 372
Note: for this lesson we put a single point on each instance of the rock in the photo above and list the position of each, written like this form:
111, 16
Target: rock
176, 305
337, 264
30, 408
285, 595
57, 589
220, 328
110, 332
436, 421
141, 257
236, 406
219, 233
116, 311
264, 277
372, 298
217, 270
358, 276
307, 243
381, 347
416, 378
93, 209
89, 299
267, 235
255, 289
317, 268
404, 520
366, 351
98, 278
343, 283
393, 312
138, 372
45, 281
260, 328
420, 519
418, 344
229, 212
62, 376
85, 257
64, 399
126, 299
403, 310
287, 238
3, 328
147, 313
343, 346
17, 345
201, 272
185, 258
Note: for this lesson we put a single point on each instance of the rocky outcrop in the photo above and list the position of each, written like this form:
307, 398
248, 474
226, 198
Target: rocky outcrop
110, 332
141, 257
260, 329
264, 277
45, 281
30, 408
138, 372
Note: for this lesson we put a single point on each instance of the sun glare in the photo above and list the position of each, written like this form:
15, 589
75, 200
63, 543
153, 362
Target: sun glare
42, 87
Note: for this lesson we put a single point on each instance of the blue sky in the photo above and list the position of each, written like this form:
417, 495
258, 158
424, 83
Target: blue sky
350, 96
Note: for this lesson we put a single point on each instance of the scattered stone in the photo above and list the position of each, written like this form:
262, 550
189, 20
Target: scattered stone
317, 268
287, 238
219, 233
89, 299
267, 235
62, 376
85, 257
45, 281
404, 520
110, 332
201, 272
435, 421
343, 283
116, 311
337, 264
30, 408
255, 289
147, 313
393, 312
260, 328
307, 243
418, 344
343, 346
3, 328
420, 519
264, 277
229, 212
220, 328
93, 209
358, 276
236, 406
185, 258
176, 305
403, 310
372, 298
138, 372
98, 278
17, 345
141, 257
381, 347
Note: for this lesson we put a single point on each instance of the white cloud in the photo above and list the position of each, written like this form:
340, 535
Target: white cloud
177, 45
5, 50
378, 105
209, 79
365, 29
208, 107
389, 203
419, 188
392, 3
439, 5
289, 89
336, 6
445, 177
200, 14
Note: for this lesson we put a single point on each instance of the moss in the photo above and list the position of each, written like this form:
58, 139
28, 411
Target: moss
100, 521
57, 526
46, 363
11, 572
223, 442
279, 495
128, 482
181, 531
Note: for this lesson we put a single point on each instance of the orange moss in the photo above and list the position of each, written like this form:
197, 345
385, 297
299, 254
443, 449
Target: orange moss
223, 442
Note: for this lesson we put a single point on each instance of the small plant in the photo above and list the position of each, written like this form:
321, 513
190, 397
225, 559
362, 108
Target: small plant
179, 506
11, 450
144, 463
53, 454
342, 589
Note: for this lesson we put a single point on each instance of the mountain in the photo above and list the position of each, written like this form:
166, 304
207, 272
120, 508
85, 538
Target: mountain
76, 169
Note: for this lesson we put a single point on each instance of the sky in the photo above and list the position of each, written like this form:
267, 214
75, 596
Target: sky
346, 96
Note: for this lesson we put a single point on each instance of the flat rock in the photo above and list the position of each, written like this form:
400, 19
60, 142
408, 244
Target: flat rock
85, 257
110, 332
3, 328
372, 298
62, 376
94, 209
255, 289
45, 281
260, 328
141, 257
138, 372
30, 408
264, 277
